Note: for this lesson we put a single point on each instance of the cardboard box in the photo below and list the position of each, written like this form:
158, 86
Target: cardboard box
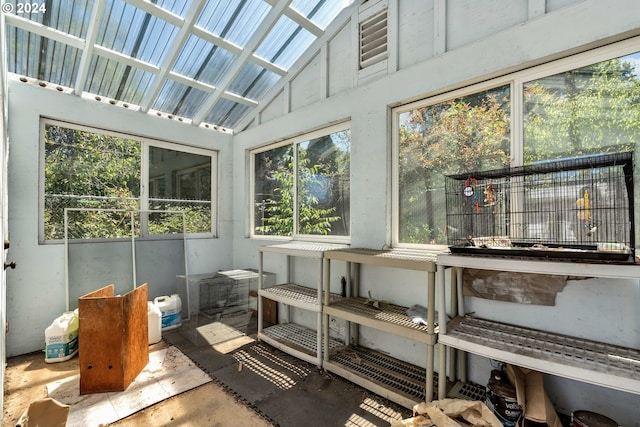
536, 406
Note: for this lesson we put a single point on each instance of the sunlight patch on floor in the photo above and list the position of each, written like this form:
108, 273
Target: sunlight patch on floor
377, 409
279, 379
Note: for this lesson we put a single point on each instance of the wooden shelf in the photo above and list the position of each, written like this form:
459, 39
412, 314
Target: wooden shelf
565, 356
302, 249
389, 318
299, 341
296, 340
295, 295
395, 380
579, 359
397, 258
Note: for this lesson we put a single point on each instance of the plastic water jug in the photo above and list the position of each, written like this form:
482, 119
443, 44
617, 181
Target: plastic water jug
171, 309
61, 338
155, 322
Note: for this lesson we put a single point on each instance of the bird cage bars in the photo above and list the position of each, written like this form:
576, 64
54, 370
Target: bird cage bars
577, 208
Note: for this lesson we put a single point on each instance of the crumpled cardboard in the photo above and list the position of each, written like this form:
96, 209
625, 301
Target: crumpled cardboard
531, 396
450, 413
44, 413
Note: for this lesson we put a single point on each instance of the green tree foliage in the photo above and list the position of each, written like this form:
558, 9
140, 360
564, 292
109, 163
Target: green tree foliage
277, 214
593, 109
464, 134
93, 171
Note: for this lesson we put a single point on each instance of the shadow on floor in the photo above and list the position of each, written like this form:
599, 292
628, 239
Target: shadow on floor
283, 389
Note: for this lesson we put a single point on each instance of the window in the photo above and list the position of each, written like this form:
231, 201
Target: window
301, 187
99, 174
466, 133
587, 104
591, 109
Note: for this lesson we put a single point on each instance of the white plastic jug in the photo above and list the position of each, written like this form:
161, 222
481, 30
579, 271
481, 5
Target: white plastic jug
61, 338
171, 308
155, 322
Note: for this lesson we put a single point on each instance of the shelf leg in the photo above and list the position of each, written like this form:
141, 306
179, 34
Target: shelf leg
463, 365
260, 284
319, 316
326, 282
442, 377
431, 322
453, 311
289, 280
355, 328
459, 288
428, 394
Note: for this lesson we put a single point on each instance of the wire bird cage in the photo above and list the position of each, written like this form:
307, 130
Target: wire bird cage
577, 209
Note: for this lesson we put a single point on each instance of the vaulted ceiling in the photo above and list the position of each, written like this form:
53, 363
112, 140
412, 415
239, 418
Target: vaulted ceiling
206, 62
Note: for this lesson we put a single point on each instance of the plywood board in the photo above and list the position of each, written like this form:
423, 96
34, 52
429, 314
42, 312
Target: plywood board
523, 288
112, 338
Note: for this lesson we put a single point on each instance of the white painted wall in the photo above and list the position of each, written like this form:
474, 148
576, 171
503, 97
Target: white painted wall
441, 45
482, 40
36, 288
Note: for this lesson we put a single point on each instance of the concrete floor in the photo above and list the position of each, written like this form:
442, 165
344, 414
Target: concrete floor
253, 384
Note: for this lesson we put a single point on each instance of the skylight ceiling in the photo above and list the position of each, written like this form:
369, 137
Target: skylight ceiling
207, 62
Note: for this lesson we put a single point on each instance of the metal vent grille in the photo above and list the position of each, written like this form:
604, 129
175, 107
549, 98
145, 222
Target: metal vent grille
373, 40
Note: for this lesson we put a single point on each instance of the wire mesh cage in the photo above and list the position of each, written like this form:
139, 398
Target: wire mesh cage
578, 208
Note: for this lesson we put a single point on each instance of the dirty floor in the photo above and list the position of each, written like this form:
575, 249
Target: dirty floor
253, 384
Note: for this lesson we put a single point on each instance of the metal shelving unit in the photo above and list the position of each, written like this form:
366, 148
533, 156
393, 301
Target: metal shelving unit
575, 358
394, 379
297, 340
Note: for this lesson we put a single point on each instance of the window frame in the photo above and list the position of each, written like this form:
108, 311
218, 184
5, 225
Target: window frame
516, 80
145, 143
293, 141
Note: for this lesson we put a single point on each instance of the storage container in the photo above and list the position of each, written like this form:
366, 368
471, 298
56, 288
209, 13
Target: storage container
155, 322
61, 338
171, 309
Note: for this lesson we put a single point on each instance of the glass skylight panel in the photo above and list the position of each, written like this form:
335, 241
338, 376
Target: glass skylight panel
114, 80
40, 58
203, 61
285, 43
66, 16
179, 100
133, 32
227, 113
253, 81
233, 20
178, 7
138, 36
320, 12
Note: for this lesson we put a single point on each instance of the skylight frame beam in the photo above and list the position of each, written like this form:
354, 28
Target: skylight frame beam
236, 50
126, 60
336, 25
197, 84
261, 32
300, 19
44, 31
172, 55
158, 12
87, 52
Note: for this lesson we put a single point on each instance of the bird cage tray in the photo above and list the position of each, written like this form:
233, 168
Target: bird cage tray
569, 209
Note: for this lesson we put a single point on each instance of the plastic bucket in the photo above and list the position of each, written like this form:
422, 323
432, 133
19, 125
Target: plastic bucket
502, 401
591, 419
61, 338
171, 309
155, 322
